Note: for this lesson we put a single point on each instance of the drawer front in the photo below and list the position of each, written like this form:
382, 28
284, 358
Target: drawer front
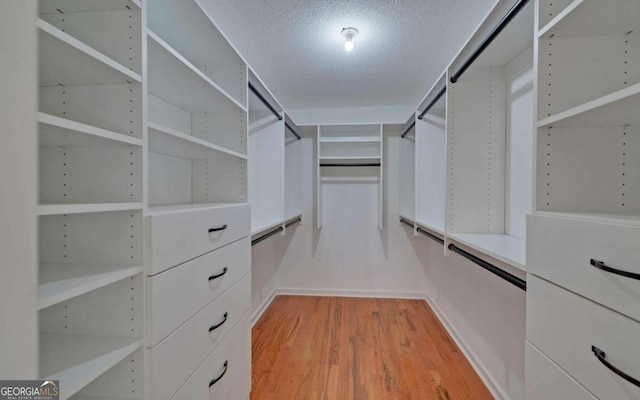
565, 326
234, 349
240, 387
545, 380
560, 250
177, 357
178, 237
179, 293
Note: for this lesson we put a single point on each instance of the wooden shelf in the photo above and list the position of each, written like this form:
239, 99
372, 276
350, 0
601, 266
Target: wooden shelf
168, 141
78, 6
615, 109
60, 209
60, 282
60, 132
77, 360
65, 60
505, 248
178, 208
174, 79
594, 18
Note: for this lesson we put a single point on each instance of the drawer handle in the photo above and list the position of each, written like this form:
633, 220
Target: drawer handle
601, 265
214, 381
601, 357
216, 326
224, 271
223, 227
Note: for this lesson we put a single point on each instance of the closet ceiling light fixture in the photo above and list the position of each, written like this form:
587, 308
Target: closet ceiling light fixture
348, 34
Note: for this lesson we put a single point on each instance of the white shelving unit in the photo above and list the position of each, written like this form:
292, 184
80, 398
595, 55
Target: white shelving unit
293, 174
350, 144
91, 196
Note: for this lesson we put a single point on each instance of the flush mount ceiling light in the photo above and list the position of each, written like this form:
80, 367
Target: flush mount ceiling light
348, 34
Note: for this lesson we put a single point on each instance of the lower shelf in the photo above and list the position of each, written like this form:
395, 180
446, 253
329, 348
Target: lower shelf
77, 360
261, 225
505, 248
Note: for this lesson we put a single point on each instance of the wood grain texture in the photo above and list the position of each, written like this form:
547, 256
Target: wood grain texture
329, 348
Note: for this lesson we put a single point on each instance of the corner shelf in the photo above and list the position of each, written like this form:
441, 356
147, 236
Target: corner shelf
171, 142
60, 282
61, 132
60, 209
64, 60
505, 248
77, 360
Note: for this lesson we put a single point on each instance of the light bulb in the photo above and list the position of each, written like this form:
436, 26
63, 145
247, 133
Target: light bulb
348, 45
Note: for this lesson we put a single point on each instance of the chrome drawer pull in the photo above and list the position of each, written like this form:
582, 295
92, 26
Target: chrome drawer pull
224, 271
601, 265
214, 381
601, 357
223, 227
214, 327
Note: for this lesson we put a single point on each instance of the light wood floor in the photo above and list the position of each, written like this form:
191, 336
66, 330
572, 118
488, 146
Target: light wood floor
328, 348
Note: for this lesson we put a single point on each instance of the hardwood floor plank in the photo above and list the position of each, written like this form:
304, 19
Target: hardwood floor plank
328, 348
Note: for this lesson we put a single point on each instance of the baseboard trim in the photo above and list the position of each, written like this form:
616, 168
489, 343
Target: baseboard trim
495, 389
263, 307
350, 293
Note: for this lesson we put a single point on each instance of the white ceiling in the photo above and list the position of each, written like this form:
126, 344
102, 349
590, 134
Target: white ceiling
296, 48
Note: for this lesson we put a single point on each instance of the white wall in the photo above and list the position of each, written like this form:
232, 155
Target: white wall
18, 170
348, 115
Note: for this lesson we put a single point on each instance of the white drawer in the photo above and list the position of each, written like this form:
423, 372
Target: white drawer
179, 293
240, 387
174, 359
176, 237
560, 250
565, 326
233, 350
546, 381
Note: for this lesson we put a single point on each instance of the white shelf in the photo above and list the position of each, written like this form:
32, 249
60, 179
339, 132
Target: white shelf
594, 18
505, 248
65, 60
347, 159
292, 216
60, 132
78, 6
168, 141
407, 218
350, 139
608, 218
174, 79
60, 209
60, 282
259, 226
178, 208
615, 109
77, 360
431, 227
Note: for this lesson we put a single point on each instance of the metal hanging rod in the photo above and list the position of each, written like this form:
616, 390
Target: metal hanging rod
422, 231
351, 165
510, 15
433, 102
512, 279
295, 221
408, 129
265, 102
291, 129
273, 232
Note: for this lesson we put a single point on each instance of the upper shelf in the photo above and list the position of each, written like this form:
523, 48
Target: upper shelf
505, 248
179, 208
174, 79
67, 61
60, 132
350, 139
77, 6
594, 18
63, 209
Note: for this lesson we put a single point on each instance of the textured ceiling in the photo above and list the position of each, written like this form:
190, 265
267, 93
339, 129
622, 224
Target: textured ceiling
296, 48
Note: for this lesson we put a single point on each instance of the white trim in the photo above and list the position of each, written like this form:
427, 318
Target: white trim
493, 387
350, 293
257, 314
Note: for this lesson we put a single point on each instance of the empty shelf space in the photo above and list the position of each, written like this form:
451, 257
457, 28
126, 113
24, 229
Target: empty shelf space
60, 282
60, 132
168, 141
608, 218
77, 360
174, 79
350, 139
505, 248
178, 208
60, 209
261, 225
77, 6
67, 61
615, 109
594, 18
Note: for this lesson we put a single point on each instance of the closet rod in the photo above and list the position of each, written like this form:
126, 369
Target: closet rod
295, 221
433, 102
291, 129
351, 165
490, 37
273, 232
265, 102
422, 231
512, 279
408, 129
